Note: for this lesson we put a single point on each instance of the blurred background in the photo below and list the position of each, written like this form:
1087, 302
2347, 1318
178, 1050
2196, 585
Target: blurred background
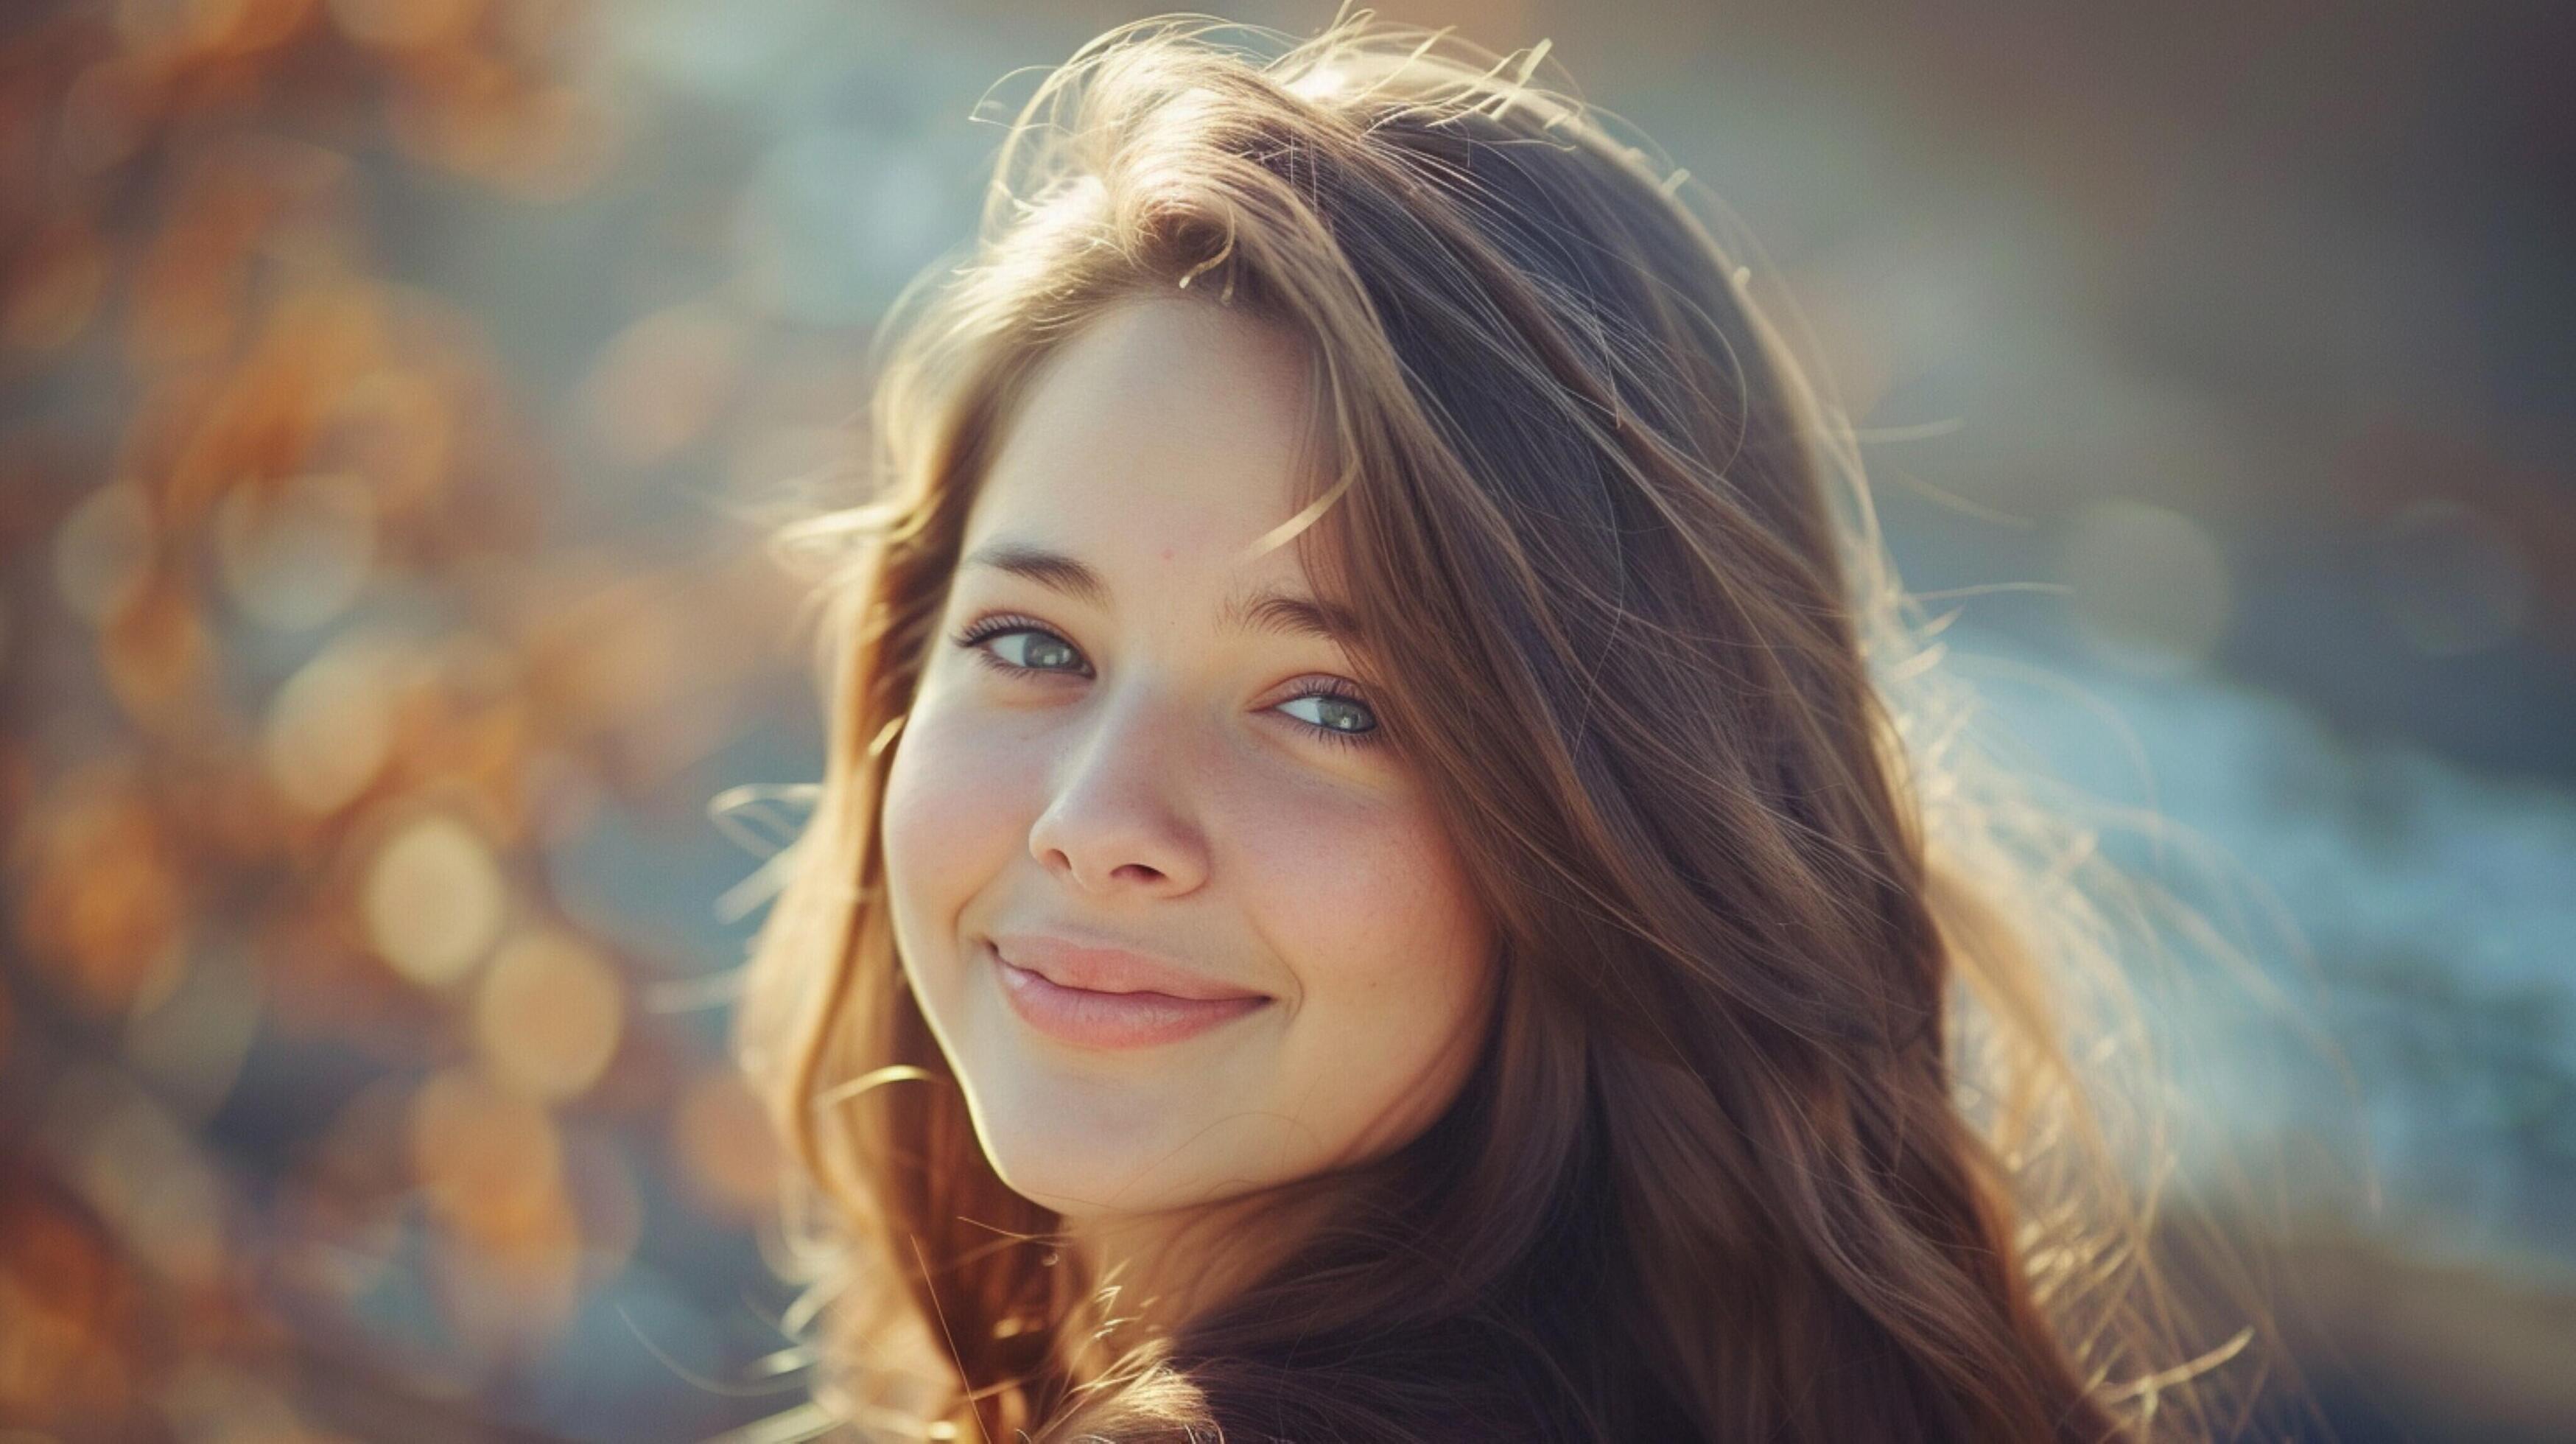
385, 384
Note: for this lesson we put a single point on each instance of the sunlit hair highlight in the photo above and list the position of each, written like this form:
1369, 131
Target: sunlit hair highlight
1814, 1107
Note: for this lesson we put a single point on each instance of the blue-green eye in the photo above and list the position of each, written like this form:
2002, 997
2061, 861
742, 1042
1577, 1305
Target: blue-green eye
1340, 716
1343, 716
1039, 649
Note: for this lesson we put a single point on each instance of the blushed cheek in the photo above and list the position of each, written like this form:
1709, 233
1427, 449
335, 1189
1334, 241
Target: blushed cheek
1394, 957
1390, 912
947, 824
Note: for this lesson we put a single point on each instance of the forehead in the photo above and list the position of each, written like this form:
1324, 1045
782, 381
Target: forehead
1163, 426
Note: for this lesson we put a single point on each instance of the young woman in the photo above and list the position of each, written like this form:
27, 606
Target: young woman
1372, 881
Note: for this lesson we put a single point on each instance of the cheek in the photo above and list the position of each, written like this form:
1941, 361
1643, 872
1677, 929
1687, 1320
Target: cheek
1374, 913
954, 815
1378, 910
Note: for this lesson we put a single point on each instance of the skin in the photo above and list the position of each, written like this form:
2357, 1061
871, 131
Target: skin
1168, 780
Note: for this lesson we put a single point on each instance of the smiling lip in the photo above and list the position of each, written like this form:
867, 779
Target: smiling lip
1108, 998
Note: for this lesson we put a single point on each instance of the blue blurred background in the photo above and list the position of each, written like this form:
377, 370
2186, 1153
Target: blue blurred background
387, 388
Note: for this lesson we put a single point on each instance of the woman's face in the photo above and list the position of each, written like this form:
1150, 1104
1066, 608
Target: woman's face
1183, 925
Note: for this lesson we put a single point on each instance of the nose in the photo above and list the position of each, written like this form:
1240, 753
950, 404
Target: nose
1118, 822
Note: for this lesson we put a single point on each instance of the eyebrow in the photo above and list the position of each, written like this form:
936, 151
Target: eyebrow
1266, 609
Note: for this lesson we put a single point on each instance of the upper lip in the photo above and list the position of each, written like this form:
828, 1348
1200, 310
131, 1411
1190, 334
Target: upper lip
1097, 966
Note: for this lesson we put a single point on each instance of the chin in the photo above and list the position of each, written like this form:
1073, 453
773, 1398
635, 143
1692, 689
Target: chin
1085, 1157
1056, 1168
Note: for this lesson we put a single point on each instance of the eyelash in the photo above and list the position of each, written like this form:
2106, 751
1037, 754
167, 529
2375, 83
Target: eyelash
975, 634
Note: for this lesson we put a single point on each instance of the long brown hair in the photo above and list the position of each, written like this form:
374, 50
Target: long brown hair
1776, 1134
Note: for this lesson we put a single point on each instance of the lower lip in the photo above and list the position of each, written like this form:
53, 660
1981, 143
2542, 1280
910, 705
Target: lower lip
1113, 1020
